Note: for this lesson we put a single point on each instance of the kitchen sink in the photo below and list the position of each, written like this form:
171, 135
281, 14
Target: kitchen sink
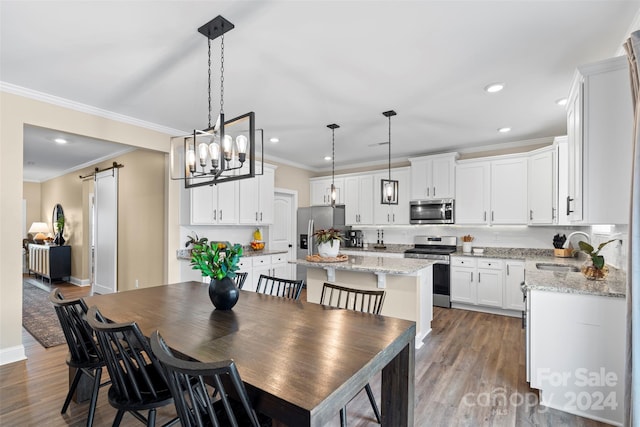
564, 268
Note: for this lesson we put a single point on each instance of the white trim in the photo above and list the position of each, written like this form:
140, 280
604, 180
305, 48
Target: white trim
12, 354
79, 282
84, 108
89, 163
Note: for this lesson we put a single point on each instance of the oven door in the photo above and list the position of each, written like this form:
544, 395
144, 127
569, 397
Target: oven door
441, 285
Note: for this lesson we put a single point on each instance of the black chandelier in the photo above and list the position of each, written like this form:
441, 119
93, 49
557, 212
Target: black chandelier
389, 187
222, 152
333, 128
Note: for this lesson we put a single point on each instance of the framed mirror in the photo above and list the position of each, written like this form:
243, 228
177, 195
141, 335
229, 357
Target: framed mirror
57, 224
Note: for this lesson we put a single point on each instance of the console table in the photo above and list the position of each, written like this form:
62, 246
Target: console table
50, 261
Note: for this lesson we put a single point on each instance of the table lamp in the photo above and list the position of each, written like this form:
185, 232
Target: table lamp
39, 228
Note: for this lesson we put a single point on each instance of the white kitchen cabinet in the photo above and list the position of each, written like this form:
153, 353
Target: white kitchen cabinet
320, 191
599, 131
432, 177
392, 214
509, 191
359, 199
562, 174
542, 184
576, 353
513, 278
490, 282
275, 265
472, 193
492, 191
463, 288
478, 281
256, 198
217, 204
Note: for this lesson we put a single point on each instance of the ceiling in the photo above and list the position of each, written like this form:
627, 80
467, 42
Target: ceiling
301, 65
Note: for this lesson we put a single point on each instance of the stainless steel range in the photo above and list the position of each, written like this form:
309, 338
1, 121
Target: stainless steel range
437, 248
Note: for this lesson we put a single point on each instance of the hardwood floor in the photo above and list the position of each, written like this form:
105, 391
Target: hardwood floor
470, 372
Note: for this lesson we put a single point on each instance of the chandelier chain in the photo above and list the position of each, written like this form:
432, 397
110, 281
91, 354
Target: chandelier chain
222, 74
389, 148
209, 87
333, 156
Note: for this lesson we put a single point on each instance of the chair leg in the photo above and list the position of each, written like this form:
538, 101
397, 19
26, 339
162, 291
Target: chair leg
151, 419
72, 389
374, 405
118, 419
94, 396
343, 417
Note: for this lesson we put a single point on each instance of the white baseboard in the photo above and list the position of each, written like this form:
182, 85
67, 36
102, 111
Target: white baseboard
12, 354
79, 282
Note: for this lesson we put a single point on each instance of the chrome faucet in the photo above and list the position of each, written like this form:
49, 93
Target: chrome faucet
568, 241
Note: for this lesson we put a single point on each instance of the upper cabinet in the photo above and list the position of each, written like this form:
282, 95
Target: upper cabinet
433, 177
358, 199
217, 204
543, 185
599, 135
320, 191
392, 214
256, 198
492, 192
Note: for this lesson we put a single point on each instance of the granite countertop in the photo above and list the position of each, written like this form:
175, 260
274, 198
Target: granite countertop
185, 254
372, 264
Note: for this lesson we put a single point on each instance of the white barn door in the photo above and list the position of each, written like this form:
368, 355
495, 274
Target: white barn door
106, 232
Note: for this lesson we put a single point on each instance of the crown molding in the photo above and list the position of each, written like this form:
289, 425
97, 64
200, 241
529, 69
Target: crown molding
84, 108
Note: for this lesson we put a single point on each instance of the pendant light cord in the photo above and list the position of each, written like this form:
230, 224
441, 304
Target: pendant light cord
333, 156
209, 87
389, 148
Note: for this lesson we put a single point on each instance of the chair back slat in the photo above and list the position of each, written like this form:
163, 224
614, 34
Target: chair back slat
78, 334
276, 286
188, 383
240, 279
365, 301
135, 372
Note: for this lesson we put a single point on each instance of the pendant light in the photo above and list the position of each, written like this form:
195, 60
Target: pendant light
219, 153
389, 187
333, 128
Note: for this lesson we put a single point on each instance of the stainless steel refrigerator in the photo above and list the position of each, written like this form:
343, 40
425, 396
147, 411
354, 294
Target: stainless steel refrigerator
309, 220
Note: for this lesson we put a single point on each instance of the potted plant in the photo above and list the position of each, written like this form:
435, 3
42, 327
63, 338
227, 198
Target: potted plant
219, 261
328, 242
594, 268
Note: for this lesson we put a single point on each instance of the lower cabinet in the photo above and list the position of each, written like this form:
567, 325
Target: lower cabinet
487, 282
275, 265
51, 262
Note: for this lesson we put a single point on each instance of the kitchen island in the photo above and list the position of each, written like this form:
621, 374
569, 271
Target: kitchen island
576, 341
407, 282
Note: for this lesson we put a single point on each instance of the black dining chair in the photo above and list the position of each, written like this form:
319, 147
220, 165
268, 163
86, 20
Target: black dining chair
199, 390
361, 300
240, 279
84, 353
276, 286
138, 381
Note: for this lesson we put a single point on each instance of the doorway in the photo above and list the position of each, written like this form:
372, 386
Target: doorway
282, 233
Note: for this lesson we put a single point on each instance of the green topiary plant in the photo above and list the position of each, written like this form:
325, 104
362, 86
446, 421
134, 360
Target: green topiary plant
216, 260
328, 235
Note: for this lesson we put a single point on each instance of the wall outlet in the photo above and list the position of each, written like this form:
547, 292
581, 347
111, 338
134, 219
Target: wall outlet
136, 283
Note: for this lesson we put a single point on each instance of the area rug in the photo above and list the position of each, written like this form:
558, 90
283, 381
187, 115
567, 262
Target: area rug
38, 315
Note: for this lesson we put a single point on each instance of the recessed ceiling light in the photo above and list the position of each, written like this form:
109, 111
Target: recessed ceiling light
327, 157
504, 130
274, 140
494, 87
60, 140
561, 102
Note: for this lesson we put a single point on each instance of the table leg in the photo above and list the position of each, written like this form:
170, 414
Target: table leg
398, 383
84, 389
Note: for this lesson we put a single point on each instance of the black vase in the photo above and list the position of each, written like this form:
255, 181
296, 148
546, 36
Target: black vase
59, 240
223, 293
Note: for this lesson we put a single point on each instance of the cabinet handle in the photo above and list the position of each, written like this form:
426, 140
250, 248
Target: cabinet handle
220, 214
553, 213
428, 188
491, 215
256, 216
387, 217
507, 269
434, 191
569, 200
531, 214
260, 217
485, 216
471, 277
394, 217
215, 214
478, 277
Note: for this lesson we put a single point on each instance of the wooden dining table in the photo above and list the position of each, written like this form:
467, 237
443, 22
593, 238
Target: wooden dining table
301, 362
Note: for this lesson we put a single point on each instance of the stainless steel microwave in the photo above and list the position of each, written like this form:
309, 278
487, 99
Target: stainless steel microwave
440, 211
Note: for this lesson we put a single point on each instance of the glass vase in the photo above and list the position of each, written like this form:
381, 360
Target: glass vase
591, 272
